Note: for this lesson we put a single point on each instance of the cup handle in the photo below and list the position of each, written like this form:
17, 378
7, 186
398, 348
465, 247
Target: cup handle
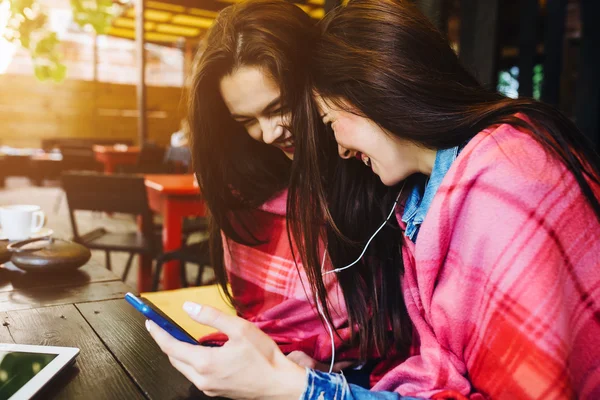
38, 221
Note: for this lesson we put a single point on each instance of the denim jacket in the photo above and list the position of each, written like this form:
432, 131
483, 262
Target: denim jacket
419, 200
323, 386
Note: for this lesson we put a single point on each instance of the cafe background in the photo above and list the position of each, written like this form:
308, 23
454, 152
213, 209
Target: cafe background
92, 104
528, 47
75, 73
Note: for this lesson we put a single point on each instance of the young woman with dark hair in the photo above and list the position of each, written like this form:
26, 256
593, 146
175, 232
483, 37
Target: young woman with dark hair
497, 204
251, 68
245, 78
251, 73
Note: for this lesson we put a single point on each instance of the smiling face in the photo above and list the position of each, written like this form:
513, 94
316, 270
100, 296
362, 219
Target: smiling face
254, 100
389, 156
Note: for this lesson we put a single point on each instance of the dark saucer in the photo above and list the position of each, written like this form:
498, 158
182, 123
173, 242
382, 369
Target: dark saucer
48, 255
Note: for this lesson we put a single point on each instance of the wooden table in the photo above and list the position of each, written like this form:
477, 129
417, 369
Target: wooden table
45, 166
85, 309
111, 156
19, 162
175, 197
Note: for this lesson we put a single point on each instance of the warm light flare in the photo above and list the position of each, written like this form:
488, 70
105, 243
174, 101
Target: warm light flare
7, 49
4, 15
29, 13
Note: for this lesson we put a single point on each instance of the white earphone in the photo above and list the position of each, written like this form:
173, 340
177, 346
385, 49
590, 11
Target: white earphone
319, 307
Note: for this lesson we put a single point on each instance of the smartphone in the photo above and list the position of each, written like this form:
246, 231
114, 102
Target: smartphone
154, 314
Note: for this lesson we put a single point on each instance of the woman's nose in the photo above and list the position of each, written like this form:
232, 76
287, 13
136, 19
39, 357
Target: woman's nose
271, 132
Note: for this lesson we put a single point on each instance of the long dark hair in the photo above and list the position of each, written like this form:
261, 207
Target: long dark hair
236, 173
384, 58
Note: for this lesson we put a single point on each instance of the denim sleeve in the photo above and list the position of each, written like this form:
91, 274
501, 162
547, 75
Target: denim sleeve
323, 386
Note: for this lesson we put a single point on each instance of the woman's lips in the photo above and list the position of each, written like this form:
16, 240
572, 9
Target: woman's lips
286, 146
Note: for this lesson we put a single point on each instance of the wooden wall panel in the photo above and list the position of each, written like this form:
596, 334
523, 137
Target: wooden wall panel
31, 111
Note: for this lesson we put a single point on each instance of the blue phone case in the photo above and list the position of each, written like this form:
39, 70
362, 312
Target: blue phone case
152, 312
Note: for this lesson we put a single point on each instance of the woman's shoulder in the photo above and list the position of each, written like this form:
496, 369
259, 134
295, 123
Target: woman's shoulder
503, 189
505, 172
511, 157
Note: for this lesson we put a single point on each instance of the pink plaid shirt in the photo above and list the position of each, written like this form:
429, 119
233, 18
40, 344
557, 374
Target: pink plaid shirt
275, 294
503, 283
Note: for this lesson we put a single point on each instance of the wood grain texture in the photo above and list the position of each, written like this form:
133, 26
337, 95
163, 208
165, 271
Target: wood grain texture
122, 329
95, 375
83, 109
49, 296
15, 279
5, 335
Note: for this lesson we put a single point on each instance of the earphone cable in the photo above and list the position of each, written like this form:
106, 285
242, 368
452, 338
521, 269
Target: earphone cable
318, 303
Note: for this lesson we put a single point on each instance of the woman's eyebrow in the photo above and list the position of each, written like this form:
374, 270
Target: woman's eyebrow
272, 105
266, 110
238, 117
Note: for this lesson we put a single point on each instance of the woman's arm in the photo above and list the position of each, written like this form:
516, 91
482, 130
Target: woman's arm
250, 365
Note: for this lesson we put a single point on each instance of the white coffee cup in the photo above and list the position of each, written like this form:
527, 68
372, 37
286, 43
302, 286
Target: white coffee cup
20, 221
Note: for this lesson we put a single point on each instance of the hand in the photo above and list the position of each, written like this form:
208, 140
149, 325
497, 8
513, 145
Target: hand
248, 366
304, 360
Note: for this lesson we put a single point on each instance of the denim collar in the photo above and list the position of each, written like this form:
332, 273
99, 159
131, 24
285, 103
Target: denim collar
420, 198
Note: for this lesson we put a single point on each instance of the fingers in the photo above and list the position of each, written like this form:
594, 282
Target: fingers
302, 359
193, 376
171, 346
230, 325
187, 371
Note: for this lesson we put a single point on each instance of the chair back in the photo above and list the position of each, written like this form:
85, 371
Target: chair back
79, 158
180, 158
150, 161
116, 193
150, 155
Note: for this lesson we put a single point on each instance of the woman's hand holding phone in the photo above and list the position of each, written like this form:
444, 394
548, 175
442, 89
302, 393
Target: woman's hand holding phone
248, 366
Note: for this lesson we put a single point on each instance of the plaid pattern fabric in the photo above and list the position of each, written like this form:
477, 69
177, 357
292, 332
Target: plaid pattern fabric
503, 284
275, 294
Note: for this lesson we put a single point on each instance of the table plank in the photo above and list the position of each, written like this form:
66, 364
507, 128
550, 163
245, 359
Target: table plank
11, 278
122, 329
5, 336
49, 296
96, 374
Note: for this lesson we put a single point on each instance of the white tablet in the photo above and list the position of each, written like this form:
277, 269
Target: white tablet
25, 369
